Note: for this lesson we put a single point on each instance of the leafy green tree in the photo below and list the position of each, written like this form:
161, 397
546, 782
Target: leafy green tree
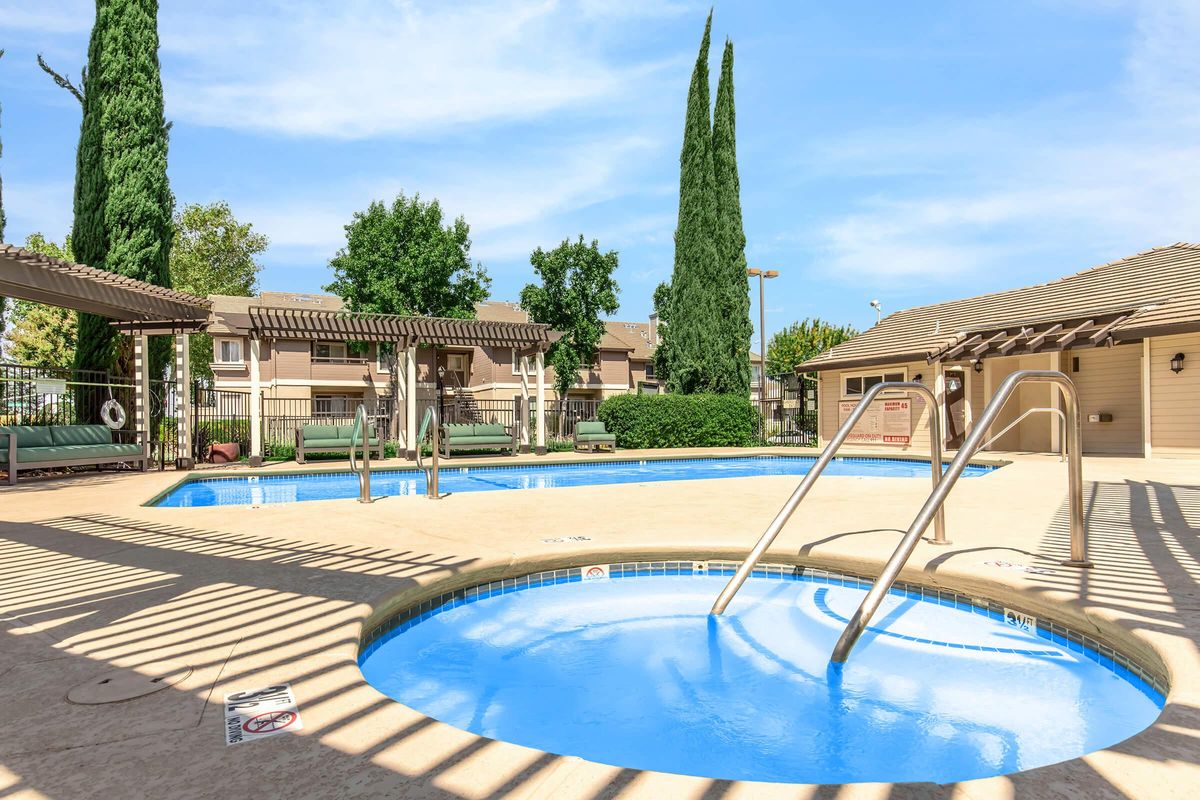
402, 259
42, 335
803, 340
577, 287
123, 201
736, 327
662, 352
213, 253
696, 353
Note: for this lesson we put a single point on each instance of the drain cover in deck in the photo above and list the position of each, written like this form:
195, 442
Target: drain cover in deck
128, 684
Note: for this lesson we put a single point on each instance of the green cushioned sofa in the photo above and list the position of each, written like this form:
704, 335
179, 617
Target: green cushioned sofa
477, 436
28, 447
332, 439
593, 436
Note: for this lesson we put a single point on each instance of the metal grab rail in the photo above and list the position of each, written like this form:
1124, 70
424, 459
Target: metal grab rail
785, 513
364, 475
933, 505
1062, 440
429, 422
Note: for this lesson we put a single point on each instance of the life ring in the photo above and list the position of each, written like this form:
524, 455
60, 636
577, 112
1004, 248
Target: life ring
112, 415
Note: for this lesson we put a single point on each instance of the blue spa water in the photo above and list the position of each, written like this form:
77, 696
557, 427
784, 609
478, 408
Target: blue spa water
264, 489
635, 673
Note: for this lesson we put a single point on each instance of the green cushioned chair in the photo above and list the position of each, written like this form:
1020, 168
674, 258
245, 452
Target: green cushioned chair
477, 436
333, 439
593, 436
27, 447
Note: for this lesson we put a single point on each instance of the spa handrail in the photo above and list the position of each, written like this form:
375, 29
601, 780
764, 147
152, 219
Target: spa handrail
429, 425
361, 432
1062, 439
785, 513
933, 505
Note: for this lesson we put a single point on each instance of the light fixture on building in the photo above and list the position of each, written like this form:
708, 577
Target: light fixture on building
1177, 363
978, 365
917, 377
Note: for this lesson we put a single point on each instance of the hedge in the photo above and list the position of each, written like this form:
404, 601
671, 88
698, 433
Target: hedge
680, 420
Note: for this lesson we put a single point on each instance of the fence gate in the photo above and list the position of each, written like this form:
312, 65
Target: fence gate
789, 411
219, 416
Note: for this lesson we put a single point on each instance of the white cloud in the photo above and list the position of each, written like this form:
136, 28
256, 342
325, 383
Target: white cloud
366, 69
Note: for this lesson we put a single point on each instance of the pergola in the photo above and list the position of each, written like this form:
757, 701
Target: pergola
137, 308
530, 340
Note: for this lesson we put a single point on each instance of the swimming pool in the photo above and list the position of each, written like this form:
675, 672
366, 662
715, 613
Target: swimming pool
636, 673
291, 488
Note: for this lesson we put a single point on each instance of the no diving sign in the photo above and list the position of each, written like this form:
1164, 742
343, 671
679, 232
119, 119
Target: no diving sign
260, 712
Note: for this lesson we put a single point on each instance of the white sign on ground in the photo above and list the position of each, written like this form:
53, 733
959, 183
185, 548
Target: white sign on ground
256, 713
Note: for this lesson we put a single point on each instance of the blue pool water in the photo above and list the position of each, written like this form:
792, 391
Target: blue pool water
635, 673
264, 489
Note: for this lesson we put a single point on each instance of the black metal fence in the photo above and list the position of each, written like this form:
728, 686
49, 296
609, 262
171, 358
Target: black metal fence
50, 396
789, 411
219, 416
283, 416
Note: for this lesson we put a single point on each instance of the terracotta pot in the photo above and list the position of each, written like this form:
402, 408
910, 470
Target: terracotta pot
226, 453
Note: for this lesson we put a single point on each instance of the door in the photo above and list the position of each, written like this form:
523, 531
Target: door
955, 408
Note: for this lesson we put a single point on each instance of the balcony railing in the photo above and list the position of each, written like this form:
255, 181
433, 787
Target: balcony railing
338, 360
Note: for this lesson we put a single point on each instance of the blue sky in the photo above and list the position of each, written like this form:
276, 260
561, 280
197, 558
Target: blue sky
912, 152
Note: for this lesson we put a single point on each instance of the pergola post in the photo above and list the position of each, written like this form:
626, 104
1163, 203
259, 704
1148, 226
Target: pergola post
939, 394
410, 400
256, 433
141, 390
399, 396
541, 403
183, 405
524, 406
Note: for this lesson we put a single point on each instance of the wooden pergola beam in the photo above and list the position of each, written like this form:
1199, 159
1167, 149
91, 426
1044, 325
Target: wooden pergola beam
1038, 340
983, 347
1073, 334
1099, 335
955, 350
1012, 342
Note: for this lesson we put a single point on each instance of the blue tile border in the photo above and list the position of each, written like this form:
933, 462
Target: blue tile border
1150, 683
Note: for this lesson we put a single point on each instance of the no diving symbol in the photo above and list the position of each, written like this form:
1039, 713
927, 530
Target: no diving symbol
270, 722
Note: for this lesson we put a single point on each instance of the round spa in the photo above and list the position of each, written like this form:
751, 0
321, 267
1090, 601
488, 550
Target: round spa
623, 665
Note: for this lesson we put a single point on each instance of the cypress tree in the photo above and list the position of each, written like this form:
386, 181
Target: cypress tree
737, 328
694, 327
123, 203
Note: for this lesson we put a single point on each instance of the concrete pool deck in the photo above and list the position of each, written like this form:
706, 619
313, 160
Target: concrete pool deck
90, 580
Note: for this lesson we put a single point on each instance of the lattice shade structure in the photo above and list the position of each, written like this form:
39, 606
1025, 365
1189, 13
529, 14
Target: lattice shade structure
1042, 336
32, 276
306, 324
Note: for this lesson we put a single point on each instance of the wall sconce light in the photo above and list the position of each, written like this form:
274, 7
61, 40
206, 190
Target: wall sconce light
1177, 363
978, 366
917, 377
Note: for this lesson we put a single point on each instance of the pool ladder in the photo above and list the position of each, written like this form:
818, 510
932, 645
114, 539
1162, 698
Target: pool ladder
430, 428
932, 509
361, 432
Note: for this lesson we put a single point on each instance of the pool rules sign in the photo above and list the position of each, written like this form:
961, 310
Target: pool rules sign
885, 422
257, 713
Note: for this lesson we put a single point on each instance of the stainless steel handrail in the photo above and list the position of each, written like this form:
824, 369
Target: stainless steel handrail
1062, 440
933, 505
810, 477
364, 474
430, 422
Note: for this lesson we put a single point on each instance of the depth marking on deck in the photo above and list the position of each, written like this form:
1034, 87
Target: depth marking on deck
256, 713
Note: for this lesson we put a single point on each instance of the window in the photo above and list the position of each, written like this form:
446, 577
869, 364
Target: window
756, 374
649, 370
329, 350
335, 405
229, 351
516, 361
857, 385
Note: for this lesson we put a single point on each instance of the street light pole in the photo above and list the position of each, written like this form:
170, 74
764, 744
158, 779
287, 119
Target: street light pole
762, 275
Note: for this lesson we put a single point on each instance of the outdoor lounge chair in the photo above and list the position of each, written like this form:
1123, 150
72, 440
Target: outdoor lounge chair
26, 447
332, 439
594, 436
477, 436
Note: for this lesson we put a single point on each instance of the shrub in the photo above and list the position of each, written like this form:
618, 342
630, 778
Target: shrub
680, 420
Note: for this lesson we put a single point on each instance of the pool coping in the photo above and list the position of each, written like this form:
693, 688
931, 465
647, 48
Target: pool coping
374, 631
224, 474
